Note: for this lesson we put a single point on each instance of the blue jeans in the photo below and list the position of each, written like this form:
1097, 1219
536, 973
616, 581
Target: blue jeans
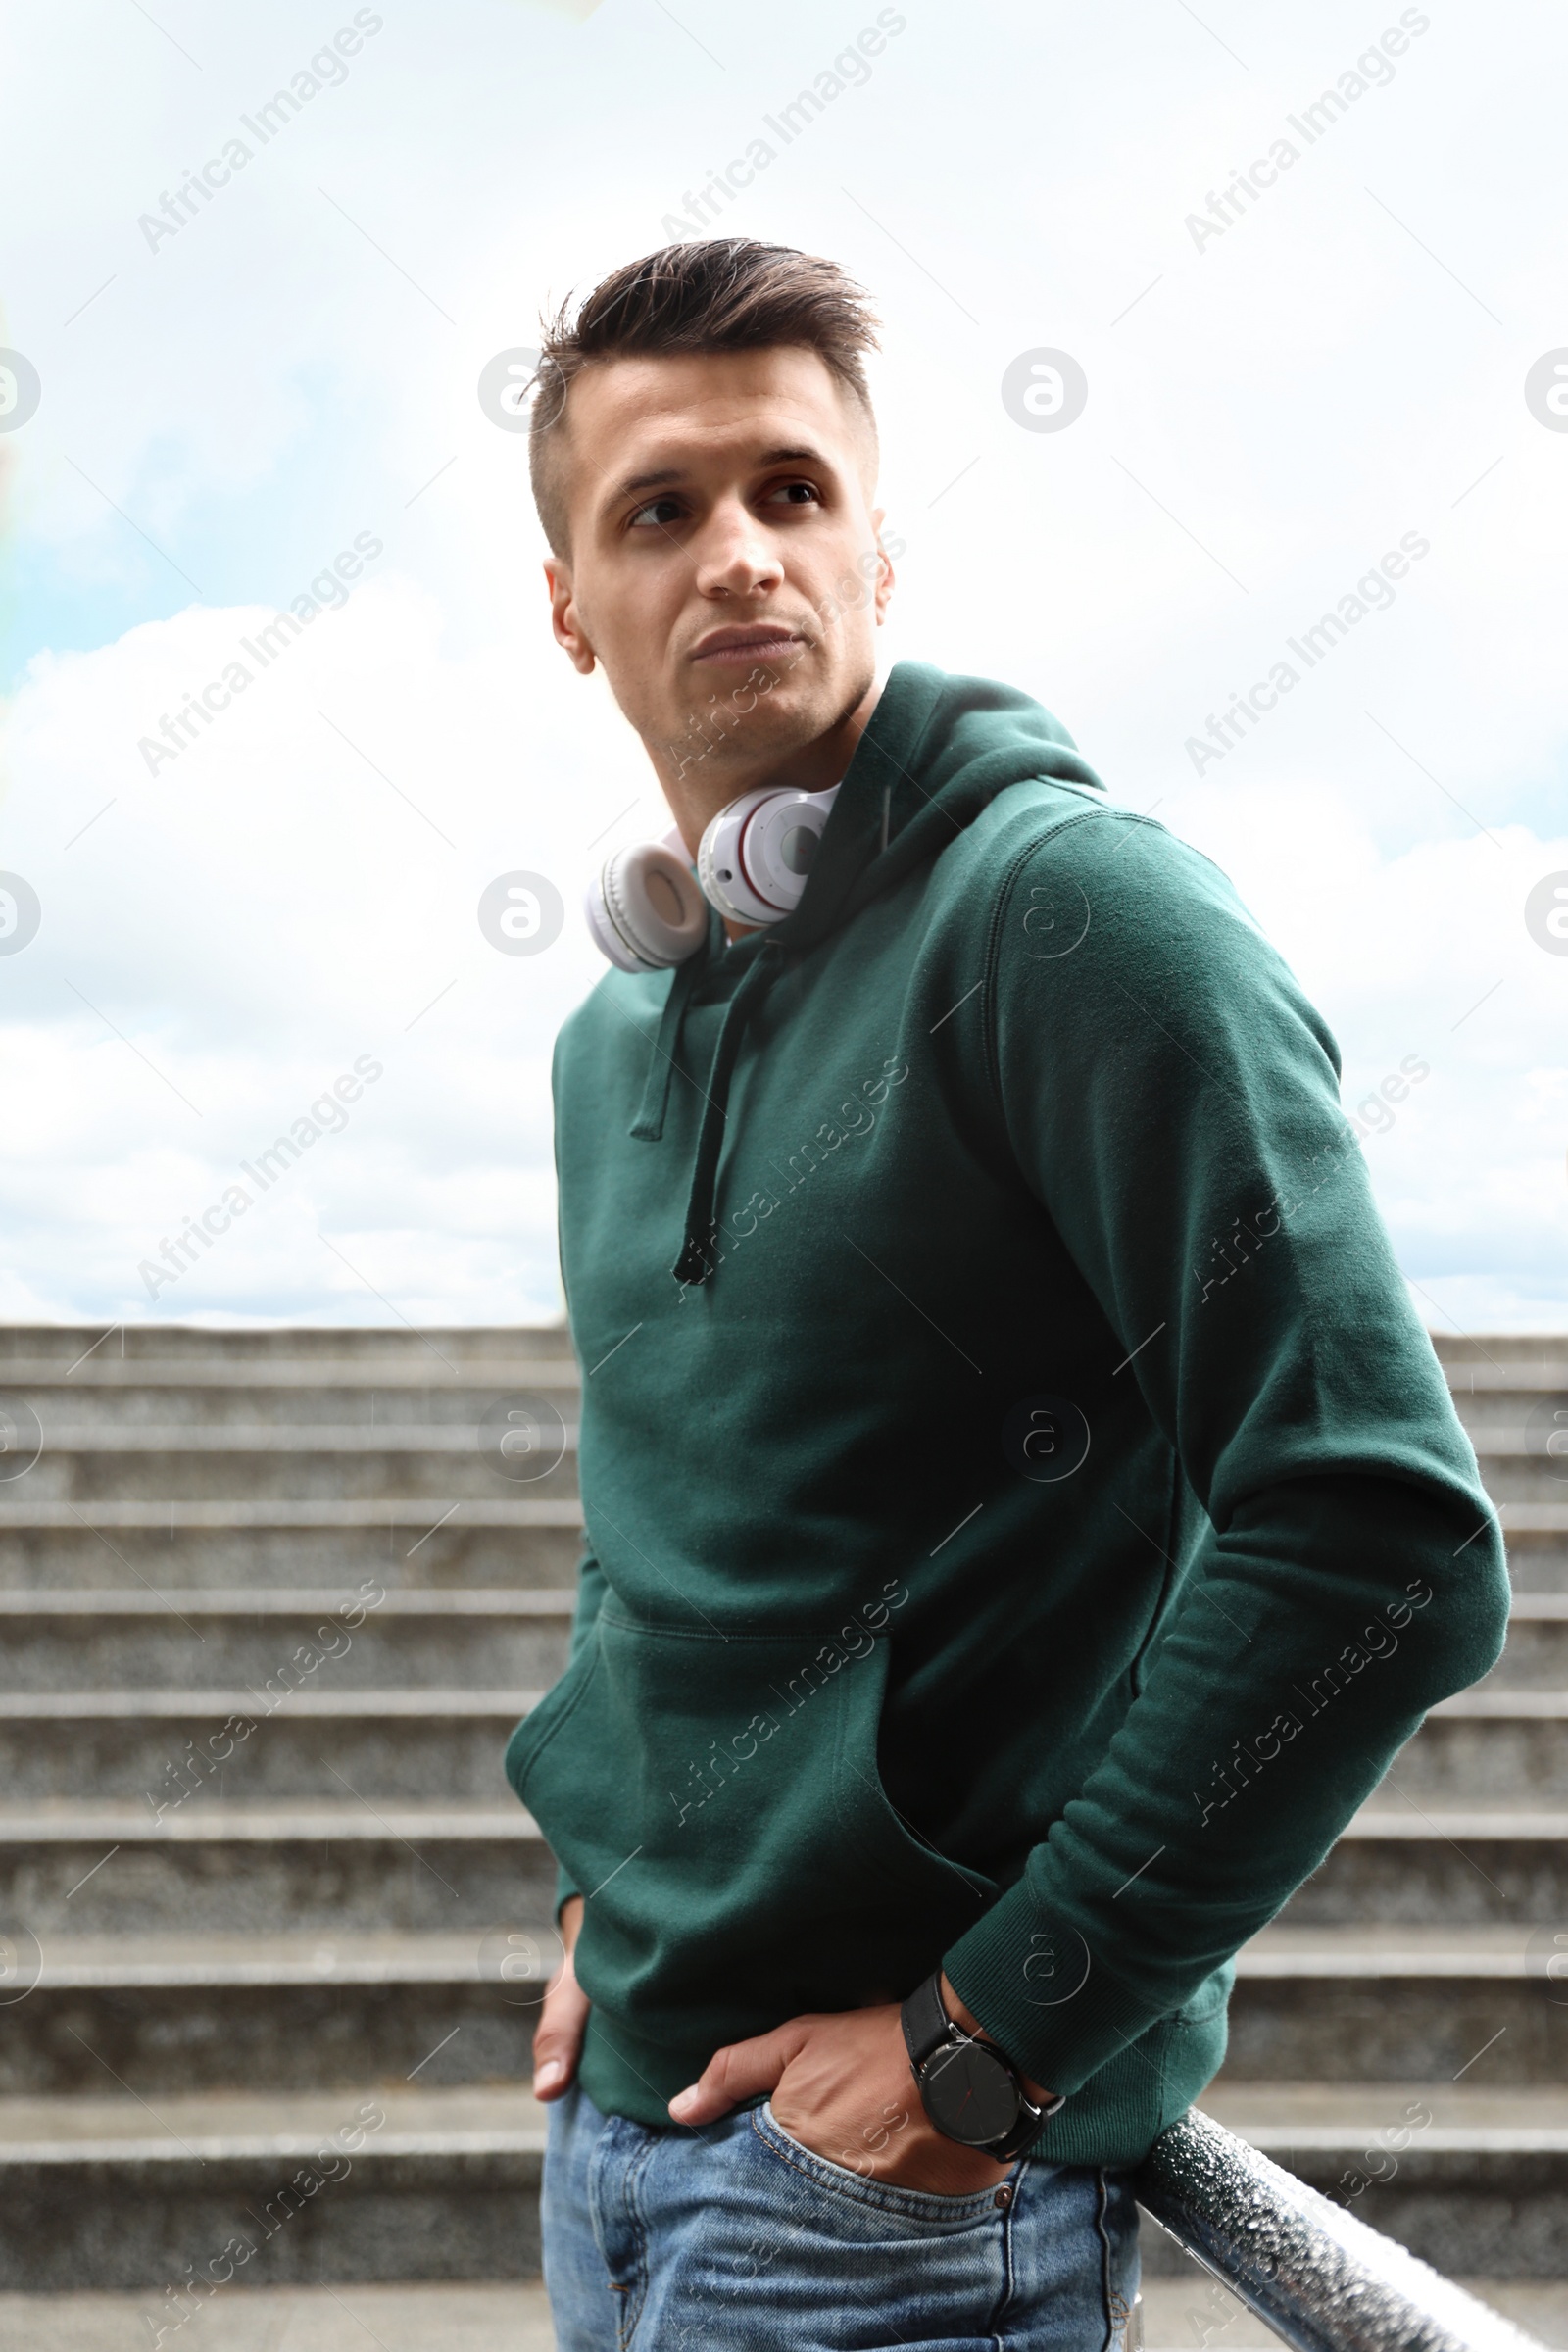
738, 2239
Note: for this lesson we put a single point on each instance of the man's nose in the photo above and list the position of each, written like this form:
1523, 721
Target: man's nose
735, 555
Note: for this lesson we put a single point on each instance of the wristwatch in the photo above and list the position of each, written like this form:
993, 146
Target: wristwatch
970, 2091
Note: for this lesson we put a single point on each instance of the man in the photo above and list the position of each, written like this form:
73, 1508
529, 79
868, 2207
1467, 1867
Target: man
1024, 1515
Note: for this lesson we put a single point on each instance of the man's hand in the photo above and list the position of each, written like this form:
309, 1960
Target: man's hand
842, 2085
563, 2017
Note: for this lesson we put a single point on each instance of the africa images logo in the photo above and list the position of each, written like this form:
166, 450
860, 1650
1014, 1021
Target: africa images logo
1547, 914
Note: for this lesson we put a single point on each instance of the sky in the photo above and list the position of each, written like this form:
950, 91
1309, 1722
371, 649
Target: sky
1299, 272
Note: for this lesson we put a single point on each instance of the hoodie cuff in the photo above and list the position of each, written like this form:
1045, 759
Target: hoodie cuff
1041, 1995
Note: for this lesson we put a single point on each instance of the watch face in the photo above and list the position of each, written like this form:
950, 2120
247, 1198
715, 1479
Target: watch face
970, 2094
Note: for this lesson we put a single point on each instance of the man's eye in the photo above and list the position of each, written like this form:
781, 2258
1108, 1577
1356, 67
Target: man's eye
795, 494
658, 515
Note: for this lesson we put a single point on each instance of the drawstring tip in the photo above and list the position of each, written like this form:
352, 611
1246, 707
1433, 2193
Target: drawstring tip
692, 1264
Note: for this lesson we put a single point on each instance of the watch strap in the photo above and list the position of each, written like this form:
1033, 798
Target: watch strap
927, 2027
926, 2022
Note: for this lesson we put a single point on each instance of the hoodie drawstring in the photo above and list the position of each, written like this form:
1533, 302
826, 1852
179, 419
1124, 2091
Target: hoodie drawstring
649, 1125
938, 752
694, 1265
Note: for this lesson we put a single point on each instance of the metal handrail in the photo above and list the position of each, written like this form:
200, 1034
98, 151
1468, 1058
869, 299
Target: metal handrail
1319, 2277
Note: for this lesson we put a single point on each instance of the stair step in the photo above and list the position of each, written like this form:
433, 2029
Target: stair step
317, 1706
1494, 1744
1536, 1563
1482, 2188
1487, 1703
1498, 1824
352, 2317
292, 1437
1521, 1487
1184, 2308
266, 1601
439, 1464
1536, 1655
281, 2013
428, 1474
77, 1821
270, 1642
412, 1511
108, 1376
1462, 1866
182, 1962
1513, 2119
1524, 1485
1336, 2005
362, 1350
1483, 1377
387, 2183
1374, 1949
328, 1868
180, 1749
73, 1557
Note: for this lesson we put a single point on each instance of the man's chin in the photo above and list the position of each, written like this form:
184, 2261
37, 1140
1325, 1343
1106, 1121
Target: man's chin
754, 726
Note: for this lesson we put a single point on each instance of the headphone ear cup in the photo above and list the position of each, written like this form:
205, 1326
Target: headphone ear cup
755, 855
652, 908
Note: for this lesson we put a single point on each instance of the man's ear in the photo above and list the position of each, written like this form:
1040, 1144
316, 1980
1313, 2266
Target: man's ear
884, 569
564, 617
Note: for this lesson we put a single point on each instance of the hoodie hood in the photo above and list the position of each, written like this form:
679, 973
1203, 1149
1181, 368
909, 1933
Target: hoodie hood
936, 753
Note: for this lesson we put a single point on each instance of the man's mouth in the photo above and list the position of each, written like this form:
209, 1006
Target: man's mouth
757, 642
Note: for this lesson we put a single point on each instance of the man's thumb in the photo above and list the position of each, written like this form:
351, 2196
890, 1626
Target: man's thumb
558, 2040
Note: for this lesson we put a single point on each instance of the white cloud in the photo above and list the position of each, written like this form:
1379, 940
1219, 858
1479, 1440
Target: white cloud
1425, 955
262, 913
298, 366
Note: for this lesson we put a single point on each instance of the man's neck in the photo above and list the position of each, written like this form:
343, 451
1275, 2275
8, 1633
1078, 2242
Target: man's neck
696, 789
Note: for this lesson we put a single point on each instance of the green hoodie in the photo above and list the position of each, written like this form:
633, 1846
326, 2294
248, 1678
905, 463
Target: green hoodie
1024, 1514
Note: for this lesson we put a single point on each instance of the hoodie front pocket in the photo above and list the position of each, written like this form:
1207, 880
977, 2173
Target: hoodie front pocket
552, 1712
718, 1799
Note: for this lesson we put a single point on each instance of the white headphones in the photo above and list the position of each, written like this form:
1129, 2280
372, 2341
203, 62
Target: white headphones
647, 909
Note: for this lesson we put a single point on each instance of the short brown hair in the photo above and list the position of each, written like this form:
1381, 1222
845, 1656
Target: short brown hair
714, 294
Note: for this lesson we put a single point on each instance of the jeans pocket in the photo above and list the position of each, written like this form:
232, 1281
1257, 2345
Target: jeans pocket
928, 2207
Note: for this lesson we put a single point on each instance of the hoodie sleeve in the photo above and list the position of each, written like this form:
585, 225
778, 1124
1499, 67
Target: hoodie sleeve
1172, 1101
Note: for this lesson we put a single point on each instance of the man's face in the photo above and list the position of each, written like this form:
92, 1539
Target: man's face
722, 536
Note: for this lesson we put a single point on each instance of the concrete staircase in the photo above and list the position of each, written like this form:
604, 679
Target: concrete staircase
271, 1603
1400, 2037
